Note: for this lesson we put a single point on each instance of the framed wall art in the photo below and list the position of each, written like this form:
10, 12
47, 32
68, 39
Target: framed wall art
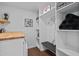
28, 22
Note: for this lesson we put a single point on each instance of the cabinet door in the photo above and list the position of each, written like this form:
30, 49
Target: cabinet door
12, 47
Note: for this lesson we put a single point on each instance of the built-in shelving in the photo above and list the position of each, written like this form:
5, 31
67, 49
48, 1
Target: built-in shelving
67, 30
46, 23
62, 12
62, 4
73, 7
68, 52
67, 40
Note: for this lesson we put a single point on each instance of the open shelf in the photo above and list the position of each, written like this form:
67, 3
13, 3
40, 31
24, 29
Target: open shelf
68, 52
67, 30
73, 7
3, 21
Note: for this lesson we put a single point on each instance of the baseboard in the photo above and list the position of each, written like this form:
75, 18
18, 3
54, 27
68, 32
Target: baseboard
31, 47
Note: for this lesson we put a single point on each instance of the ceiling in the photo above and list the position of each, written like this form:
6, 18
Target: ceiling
31, 6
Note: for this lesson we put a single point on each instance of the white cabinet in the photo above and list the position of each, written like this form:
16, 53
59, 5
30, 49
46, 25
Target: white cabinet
15, 47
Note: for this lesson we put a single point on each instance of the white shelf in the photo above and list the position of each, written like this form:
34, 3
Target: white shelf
68, 52
73, 7
67, 30
48, 14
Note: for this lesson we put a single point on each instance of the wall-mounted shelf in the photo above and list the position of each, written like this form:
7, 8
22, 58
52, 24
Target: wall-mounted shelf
3, 21
73, 7
68, 52
67, 30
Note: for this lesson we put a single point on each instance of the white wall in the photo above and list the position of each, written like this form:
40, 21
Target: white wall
46, 32
16, 18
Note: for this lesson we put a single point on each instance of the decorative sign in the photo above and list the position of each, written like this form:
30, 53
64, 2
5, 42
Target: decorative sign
45, 9
28, 22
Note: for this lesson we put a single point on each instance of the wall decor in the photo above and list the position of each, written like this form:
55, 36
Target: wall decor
28, 22
6, 16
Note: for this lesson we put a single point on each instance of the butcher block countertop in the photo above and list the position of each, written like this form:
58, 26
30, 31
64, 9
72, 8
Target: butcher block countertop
11, 35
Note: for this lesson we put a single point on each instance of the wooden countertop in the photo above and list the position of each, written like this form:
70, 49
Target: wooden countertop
11, 35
